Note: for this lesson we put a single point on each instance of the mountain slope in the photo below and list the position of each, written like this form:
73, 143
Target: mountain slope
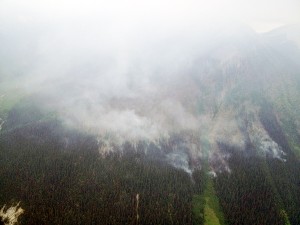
200, 133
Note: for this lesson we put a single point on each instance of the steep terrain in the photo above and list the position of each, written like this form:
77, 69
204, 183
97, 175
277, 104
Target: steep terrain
212, 138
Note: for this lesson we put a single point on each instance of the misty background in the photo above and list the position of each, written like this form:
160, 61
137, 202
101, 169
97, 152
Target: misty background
140, 71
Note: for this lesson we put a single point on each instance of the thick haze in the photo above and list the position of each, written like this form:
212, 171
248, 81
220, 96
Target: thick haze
137, 70
262, 15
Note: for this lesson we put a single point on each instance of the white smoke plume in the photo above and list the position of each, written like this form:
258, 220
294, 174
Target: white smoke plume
134, 74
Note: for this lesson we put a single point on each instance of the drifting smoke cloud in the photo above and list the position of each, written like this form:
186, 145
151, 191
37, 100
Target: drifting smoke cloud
136, 71
108, 73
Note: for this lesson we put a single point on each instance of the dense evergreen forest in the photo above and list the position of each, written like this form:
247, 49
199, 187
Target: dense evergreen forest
149, 112
59, 177
77, 186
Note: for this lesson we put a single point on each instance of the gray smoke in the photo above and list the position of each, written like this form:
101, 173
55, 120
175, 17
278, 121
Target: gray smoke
130, 76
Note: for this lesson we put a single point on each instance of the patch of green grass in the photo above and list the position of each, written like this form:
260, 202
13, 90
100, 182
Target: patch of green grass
210, 216
285, 216
198, 208
213, 214
206, 207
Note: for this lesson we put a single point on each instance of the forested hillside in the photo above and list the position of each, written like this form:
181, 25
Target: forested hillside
149, 113
59, 177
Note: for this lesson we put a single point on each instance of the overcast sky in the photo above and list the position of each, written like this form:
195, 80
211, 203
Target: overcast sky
262, 15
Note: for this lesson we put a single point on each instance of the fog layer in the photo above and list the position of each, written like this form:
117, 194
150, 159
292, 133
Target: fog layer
145, 78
